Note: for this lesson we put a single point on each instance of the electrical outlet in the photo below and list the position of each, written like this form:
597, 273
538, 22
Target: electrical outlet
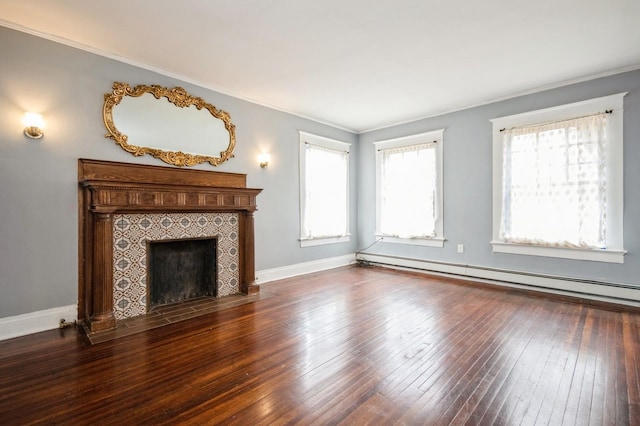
460, 248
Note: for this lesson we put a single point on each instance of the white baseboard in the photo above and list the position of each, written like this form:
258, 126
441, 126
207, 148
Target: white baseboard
34, 322
606, 292
289, 271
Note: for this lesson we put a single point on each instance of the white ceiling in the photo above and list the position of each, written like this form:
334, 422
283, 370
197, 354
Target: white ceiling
355, 64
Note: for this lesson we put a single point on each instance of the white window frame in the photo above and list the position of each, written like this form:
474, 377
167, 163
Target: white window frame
614, 252
331, 144
431, 136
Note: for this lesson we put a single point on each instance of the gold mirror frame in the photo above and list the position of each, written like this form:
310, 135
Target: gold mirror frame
180, 98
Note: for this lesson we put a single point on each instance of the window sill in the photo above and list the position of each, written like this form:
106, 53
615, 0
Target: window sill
427, 242
324, 240
594, 255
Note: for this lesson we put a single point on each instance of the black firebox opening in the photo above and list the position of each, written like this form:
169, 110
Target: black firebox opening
179, 270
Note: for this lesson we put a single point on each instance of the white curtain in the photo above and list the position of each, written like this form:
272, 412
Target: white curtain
408, 191
326, 192
554, 183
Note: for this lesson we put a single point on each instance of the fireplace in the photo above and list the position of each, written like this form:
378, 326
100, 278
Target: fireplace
179, 270
126, 208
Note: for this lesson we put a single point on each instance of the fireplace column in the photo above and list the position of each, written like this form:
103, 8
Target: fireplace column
102, 317
248, 284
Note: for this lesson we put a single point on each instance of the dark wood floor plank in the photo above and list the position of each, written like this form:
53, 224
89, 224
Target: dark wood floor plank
572, 343
349, 346
548, 386
537, 379
601, 364
630, 373
435, 402
490, 372
453, 335
496, 396
580, 383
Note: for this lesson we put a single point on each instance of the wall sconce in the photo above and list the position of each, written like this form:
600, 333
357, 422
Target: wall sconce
264, 160
33, 125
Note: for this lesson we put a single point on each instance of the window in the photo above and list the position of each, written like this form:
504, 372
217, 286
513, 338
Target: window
324, 190
409, 189
558, 181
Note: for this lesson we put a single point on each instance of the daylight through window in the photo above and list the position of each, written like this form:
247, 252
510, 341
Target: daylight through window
558, 183
324, 190
409, 189
555, 183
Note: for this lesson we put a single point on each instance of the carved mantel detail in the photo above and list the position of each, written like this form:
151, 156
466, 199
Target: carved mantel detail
106, 188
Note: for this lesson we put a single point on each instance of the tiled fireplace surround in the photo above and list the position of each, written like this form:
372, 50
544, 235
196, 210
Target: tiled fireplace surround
132, 232
124, 206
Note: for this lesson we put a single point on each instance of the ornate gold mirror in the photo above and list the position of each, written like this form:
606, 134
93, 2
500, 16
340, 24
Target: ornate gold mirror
194, 133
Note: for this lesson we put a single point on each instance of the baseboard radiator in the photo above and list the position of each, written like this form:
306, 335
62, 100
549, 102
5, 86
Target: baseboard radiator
615, 293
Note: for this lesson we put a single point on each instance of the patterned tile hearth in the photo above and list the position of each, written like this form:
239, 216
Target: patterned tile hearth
170, 314
132, 232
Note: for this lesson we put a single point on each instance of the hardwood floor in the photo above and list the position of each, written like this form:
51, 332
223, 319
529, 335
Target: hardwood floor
161, 316
348, 346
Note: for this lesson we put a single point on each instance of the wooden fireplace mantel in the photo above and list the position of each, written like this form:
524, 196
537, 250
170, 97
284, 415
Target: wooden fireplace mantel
107, 188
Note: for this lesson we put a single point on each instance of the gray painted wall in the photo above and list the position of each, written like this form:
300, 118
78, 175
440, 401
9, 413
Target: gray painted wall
38, 195
468, 184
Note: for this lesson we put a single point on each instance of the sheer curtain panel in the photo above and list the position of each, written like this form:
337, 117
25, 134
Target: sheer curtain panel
325, 192
555, 183
408, 191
